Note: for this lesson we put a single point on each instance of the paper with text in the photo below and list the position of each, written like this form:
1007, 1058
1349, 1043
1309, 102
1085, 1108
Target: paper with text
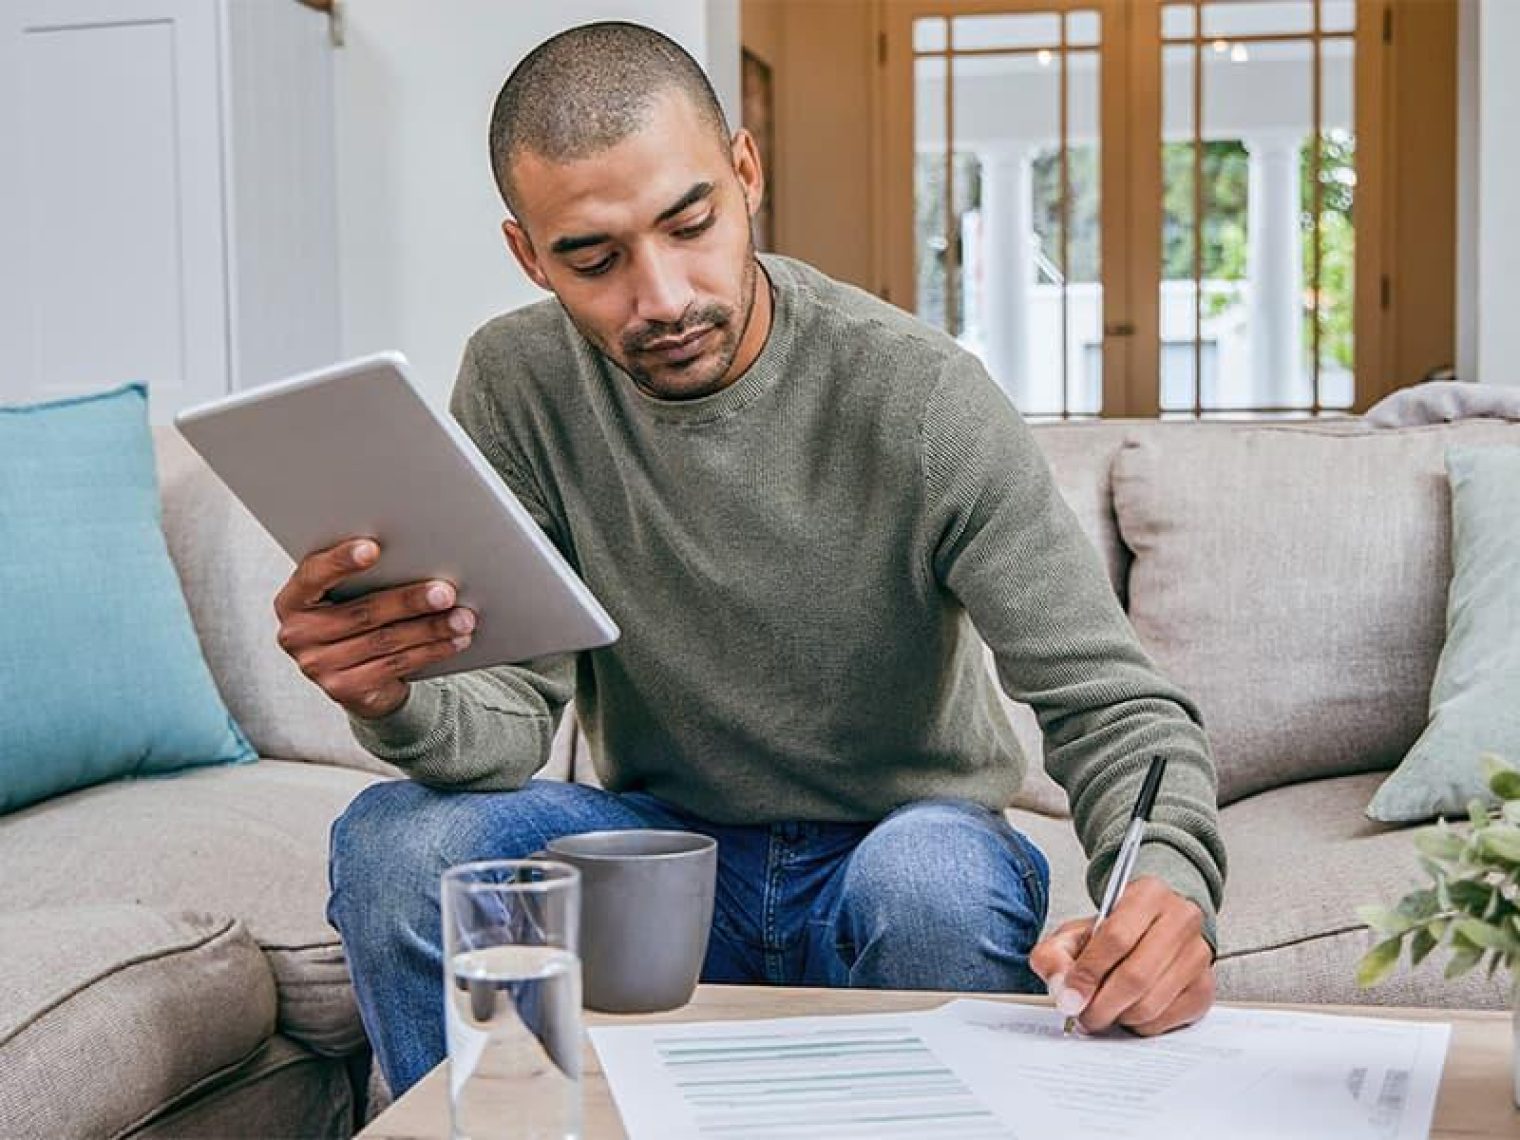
801, 1078
986, 1070
1238, 1073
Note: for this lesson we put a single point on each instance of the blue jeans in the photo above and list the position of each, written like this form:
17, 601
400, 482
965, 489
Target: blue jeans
940, 894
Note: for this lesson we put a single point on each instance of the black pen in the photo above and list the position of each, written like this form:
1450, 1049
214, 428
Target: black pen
1129, 851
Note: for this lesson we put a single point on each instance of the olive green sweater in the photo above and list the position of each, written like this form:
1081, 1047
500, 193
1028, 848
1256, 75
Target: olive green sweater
801, 565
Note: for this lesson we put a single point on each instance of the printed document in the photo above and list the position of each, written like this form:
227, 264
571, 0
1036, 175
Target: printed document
998, 1071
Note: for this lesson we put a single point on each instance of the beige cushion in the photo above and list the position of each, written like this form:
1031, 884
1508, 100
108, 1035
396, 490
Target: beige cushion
1294, 583
1301, 859
282, 1090
249, 842
231, 571
1081, 457
112, 1011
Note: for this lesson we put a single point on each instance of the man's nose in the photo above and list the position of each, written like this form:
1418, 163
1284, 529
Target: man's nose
662, 292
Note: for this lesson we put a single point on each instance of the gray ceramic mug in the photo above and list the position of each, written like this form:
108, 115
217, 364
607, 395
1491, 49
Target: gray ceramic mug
646, 910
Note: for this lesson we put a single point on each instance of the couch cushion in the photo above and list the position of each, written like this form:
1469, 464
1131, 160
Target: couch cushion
113, 1011
1294, 583
1475, 700
1302, 859
282, 1090
249, 842
100, 671
1081, 457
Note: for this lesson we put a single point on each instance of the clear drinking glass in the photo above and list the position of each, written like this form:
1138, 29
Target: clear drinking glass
512, 984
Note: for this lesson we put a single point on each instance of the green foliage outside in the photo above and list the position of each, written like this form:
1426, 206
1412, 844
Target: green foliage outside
1225, 168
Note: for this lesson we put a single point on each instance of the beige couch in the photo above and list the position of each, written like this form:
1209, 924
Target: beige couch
165, 965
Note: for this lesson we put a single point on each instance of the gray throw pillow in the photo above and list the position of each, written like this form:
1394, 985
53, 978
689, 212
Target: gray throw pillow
1475, 699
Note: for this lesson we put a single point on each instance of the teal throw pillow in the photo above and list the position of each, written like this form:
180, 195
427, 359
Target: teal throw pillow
1475, 699
101, 675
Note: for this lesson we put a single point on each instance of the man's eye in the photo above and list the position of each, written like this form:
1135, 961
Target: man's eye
700, 228
597, 269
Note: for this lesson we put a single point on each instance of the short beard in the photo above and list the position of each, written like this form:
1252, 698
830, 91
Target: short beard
732, 324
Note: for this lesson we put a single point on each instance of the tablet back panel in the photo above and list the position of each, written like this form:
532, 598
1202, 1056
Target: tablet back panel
354, 451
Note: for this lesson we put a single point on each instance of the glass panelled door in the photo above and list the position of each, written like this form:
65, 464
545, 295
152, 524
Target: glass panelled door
1258, 162
1132, 207
1006, 198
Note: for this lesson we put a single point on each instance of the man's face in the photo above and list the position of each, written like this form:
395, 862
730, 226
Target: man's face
647, 246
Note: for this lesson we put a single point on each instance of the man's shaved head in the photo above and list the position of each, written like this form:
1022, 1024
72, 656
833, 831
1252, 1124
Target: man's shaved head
589, 88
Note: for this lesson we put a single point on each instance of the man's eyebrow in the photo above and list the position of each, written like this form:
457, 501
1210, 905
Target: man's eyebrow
690, 198
696, 194
571, 244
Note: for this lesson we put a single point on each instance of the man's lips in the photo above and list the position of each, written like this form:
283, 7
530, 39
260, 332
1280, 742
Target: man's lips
677, 348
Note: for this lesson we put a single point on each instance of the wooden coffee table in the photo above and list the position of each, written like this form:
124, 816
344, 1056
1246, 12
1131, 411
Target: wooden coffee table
1476, 1097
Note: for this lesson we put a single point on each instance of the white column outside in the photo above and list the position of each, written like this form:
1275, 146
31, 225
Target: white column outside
1007, 271
1275, 269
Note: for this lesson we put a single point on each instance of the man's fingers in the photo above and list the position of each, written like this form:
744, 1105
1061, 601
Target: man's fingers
373, 613
1168, 959
1052, 957
369, 686
1156, 1005
1138, 908
1190, 1006
325, 658
319, 572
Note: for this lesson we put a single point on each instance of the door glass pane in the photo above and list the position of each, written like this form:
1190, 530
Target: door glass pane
1257, 17
1180, 348
1031, 30
929, 34
940, 197
1082, 29
1177, 21
1337, 16
1334, 294
1081, 261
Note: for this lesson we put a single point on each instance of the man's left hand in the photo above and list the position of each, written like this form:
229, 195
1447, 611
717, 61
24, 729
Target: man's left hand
1147, 968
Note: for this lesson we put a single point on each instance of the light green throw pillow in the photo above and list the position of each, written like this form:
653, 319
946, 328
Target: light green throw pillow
1475, 699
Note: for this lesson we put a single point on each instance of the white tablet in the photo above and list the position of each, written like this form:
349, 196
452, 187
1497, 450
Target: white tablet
354, 451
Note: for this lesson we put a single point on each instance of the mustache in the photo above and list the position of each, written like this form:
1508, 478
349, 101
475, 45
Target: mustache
714, 315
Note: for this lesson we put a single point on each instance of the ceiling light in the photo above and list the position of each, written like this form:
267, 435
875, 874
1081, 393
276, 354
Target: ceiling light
1221, 46
1044, 57
1238, 54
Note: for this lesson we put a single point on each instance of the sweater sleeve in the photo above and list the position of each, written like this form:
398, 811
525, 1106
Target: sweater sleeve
1004, 542
491, 729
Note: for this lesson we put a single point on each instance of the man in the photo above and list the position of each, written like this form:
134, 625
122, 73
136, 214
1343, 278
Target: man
802, 506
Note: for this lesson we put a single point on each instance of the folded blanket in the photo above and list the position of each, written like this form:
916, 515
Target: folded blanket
1442, 401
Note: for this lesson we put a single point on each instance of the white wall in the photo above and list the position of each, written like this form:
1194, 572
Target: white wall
1488, 223
422, 258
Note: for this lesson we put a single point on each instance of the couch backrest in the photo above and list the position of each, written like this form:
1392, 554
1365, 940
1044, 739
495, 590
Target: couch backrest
1292, 579
231, 571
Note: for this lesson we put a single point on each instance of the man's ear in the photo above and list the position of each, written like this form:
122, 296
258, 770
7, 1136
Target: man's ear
746, 157
522, 249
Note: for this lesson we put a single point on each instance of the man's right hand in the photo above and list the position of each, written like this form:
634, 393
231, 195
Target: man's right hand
361, 652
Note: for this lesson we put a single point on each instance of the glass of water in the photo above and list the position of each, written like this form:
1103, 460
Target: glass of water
512, 982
